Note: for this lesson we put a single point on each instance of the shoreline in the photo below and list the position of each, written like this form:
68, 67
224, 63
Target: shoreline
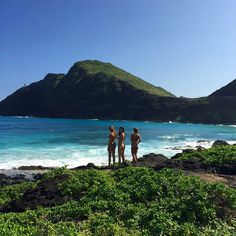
113, 120
151, 160
176, 149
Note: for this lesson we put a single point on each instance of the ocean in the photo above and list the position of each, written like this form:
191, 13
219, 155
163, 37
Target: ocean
60, 142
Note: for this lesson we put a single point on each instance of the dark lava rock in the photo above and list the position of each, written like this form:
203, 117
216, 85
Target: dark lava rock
200, 148
193, 165
87, 167
37, 176
151, 160
91, 165
46, 194
2, 177
226, 169
35, 168
202, 141
9, 180
188, 151
176, 156
220, 143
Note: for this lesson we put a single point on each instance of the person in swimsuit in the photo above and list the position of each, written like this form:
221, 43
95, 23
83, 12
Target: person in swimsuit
121, 145
111, 145
135, 140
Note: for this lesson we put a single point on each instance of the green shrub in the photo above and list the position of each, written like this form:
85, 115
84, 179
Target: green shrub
12, 192
214, 156
129, 201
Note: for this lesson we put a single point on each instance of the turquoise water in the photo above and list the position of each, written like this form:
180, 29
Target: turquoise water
58, 142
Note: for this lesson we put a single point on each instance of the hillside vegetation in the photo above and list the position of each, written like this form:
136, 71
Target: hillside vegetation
94, 67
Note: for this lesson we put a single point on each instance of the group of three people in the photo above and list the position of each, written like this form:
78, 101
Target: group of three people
135, 140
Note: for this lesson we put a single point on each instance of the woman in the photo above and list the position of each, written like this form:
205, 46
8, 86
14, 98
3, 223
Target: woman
121, 145
135, 140
111, 147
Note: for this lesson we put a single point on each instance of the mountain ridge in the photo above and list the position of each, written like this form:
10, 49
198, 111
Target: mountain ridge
93, 89
93, 67
228, 90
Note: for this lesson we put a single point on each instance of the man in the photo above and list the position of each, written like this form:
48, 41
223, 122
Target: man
135, 140
111, 145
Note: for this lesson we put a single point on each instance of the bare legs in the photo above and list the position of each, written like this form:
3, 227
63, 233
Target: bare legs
121, 154
111, 154
134, 152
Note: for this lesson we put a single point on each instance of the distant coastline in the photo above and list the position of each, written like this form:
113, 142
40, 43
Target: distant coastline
96, 90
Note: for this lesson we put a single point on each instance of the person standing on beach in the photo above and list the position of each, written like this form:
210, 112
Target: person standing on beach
111, 145
135, 140
121, 145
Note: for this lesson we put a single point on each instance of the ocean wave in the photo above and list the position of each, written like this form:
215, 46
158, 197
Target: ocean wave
234, 126
71, 163
23, 117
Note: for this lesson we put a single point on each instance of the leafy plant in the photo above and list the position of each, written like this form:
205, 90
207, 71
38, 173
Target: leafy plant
129, 201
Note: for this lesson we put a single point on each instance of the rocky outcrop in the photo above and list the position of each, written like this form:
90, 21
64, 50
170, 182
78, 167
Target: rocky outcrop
10, 180
46, 194
220, 143
151, 160
196, 165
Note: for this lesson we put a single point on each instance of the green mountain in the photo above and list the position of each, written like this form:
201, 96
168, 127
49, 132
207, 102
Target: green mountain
93, 89
90, 68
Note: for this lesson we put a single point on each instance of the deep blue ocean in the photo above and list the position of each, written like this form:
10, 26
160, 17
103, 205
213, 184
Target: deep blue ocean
59, 142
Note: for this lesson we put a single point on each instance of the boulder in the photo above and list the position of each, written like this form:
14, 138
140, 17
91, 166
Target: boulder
151, 160
88, 166
220, 143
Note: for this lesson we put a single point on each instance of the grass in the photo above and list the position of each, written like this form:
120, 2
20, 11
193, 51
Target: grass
94, 67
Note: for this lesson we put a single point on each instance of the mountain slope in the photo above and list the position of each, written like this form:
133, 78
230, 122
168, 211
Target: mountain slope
227, 91
90, 68
91, 89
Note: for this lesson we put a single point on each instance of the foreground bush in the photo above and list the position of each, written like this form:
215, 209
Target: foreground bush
130, 201
215, 155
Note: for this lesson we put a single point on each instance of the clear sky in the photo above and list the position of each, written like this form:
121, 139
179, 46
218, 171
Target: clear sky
186, 46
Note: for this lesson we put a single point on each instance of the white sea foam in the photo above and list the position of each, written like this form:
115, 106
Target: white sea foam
74, 155
35, 143
23, 117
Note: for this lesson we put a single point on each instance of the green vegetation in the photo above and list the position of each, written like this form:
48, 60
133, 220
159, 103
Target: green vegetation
94, 67
128, 201
9, 192
215, 155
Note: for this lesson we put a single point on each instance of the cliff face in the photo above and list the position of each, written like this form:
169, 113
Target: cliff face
227, 91
92, 89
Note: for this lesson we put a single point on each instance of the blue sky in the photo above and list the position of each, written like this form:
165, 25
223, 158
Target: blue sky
186, 46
